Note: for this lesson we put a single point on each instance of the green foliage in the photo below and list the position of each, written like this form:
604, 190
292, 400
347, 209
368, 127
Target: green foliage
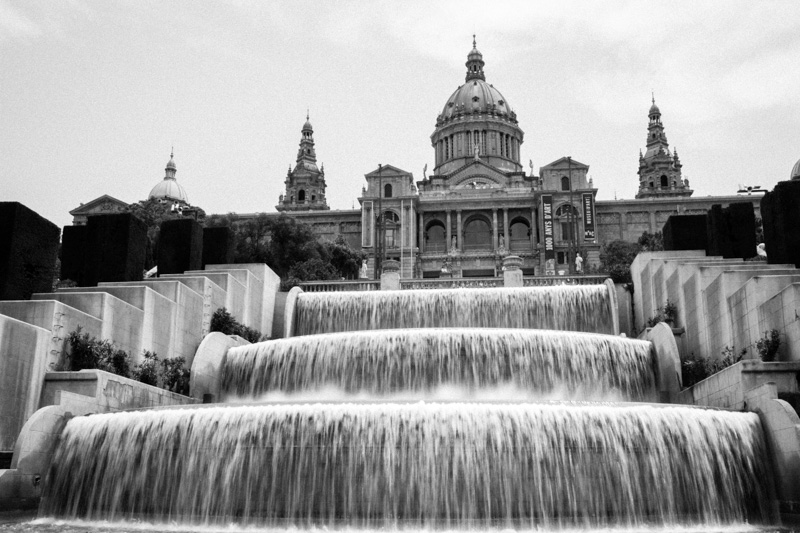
651, 242
153, 212
768, 345
616, 258
90, 353
175, 376
668, 314
226, 323
291, 249
694, 370
147, 370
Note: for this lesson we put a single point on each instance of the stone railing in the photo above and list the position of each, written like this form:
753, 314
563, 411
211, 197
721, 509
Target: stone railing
451, 283
341, 286
543, 281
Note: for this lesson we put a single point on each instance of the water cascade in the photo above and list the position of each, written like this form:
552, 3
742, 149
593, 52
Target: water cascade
391, 361
563, 307
385, 464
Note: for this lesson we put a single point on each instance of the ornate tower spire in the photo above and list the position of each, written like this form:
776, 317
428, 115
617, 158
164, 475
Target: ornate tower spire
659, 172
305, 185
475, 63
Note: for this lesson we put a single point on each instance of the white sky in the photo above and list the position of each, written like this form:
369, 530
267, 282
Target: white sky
94, 93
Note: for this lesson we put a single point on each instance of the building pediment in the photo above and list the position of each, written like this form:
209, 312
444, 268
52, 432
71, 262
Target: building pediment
477, 175
565, 164
387, 170
103, 204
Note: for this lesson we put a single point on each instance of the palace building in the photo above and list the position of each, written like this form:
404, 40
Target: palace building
479, 204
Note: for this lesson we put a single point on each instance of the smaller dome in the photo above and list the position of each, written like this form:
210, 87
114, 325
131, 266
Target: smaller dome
169, 188
654, 110
171, 164
796, 171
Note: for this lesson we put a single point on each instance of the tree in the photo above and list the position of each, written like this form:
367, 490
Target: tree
651, 242
616, 258
153, 212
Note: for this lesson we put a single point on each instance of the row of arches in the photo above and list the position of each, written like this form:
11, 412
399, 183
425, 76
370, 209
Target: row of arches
478, 235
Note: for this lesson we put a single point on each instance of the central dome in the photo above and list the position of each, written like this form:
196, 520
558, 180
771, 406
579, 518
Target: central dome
475, 96
477, 122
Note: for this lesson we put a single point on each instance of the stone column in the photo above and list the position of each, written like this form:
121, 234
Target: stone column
459, 231
506, 236
534, 229
494, 229
421, 234
449, 232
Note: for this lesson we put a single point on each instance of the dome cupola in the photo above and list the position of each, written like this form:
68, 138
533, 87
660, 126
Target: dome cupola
169, 188
796, 171
476, 120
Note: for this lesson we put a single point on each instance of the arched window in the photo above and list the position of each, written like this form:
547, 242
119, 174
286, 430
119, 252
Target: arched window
520, 234
565, 183
477, 235
391, 228
664, 182
387, 190
435, 236
301, 196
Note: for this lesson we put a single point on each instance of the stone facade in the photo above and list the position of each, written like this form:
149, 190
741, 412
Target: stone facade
480, 205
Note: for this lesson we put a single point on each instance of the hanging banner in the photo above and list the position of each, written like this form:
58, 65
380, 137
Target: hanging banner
549, 243
588, 217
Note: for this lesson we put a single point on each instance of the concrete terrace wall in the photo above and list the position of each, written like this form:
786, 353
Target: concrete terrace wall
718, 305
58, 318
782, 312
65, 395
24, 351
121, 321
169, 316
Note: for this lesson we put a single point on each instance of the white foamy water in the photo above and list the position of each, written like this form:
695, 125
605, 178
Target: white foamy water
563, 307
400, 363
455, 465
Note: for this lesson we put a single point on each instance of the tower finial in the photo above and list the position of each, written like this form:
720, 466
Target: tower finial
653, 93
307, 114
474, 44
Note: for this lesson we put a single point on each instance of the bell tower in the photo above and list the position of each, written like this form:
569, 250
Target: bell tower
305, 184
660, 170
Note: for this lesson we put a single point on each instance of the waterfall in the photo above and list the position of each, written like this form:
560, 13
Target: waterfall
389, 464
562, 307
392, 361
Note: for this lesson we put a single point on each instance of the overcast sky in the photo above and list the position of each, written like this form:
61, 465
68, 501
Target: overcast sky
93, 94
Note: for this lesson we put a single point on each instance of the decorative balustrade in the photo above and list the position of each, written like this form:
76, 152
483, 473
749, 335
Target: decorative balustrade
544, 281
450, 283
341, 286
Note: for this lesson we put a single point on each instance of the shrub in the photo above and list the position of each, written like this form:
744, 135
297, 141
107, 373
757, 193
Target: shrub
174, 377
90, 353
694, 370
668, 314
768, 345
226, 323
147, 370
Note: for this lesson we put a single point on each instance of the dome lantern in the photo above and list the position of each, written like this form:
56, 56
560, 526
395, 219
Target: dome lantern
475, 63
169, 188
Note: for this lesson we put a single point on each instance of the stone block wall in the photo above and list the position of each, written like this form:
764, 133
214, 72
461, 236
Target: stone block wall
115, 249
685, 232
180, 246
28, 252
780, 212
782, 312
218, 246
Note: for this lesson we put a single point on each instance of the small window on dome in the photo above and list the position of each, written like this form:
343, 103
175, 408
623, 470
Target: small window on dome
475, 98
449, 104
501, 102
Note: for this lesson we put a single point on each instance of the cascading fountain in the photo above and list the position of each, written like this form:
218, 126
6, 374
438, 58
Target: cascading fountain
385, 463
563, 307
383, 362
